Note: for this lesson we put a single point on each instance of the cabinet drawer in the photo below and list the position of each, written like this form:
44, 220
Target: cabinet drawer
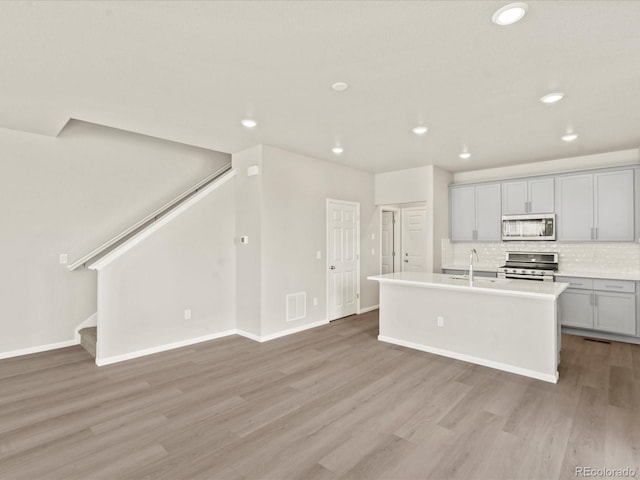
575, 282
623, 286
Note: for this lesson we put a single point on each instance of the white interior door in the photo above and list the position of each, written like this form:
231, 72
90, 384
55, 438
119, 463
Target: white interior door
387, 243
414, 239
343, 258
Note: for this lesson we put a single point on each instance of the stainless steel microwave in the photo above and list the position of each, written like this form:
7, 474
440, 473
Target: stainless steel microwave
529, 227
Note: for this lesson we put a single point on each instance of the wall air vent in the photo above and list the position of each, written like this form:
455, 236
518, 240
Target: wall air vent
296, 306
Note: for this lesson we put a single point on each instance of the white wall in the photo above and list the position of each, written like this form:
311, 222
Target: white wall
439, 201
283, 211
189, 263
423, 186
248, 257
402, 186
68, 195
295, 190
608, 159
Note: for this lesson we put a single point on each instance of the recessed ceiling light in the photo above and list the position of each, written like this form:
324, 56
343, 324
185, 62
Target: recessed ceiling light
337, 150
569, 137
340, 86
509, 13
552, 97
249, 122
419, 130
465, 155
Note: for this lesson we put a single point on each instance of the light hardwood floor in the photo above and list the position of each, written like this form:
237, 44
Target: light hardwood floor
328, 403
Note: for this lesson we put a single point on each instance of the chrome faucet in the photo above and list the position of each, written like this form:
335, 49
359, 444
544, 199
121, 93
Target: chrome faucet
472, 254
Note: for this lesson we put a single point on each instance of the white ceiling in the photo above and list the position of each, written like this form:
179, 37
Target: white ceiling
190, 71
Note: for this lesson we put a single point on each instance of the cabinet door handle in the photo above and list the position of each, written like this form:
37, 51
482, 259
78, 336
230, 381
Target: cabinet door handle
613, 286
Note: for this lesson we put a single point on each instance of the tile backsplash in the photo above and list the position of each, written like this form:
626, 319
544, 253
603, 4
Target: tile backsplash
573, 257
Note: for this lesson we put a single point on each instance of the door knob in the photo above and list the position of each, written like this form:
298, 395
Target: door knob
332, 267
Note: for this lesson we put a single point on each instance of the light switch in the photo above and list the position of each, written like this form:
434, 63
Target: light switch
64, 259
373, 251
373, 236
319, 255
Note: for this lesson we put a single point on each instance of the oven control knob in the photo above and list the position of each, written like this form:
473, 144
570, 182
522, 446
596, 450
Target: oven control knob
523, 272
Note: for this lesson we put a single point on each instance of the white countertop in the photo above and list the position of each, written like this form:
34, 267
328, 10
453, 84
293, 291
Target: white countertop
608, 275
634, 276
492, 286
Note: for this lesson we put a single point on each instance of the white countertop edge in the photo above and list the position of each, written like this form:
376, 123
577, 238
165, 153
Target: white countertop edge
475, 288
635, 277
562, 273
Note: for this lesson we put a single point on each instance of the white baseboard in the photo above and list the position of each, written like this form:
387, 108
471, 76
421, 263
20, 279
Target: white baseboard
38, 349
284, 333
250, 336
369, 309
92, 321
471, 359
184, 343
162, 348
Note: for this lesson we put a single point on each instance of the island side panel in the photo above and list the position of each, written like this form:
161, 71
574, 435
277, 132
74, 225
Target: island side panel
517, 334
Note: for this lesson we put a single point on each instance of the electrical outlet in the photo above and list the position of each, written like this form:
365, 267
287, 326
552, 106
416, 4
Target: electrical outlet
64, 259
373, 251
187, 314
315, 301
319, 255
440, 321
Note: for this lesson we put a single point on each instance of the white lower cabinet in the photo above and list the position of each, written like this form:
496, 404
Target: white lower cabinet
576, 308
599, 305
615, 312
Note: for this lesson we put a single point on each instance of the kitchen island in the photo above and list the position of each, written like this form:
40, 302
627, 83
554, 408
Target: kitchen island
506, 324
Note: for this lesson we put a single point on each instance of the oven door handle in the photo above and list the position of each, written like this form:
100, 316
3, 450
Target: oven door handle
525, 277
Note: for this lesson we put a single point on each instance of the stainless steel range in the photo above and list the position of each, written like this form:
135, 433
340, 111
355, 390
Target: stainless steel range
530, 266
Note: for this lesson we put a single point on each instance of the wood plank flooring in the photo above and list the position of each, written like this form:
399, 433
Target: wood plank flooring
328, 403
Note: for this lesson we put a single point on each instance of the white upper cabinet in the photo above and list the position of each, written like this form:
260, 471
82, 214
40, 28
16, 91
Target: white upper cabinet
488, 218
574, 208
595, 207
613, 215
528, 196
463, 214
475, 213
514, 198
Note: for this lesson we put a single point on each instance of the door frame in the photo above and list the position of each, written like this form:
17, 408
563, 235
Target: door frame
402, 214
326, 253
397, 235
